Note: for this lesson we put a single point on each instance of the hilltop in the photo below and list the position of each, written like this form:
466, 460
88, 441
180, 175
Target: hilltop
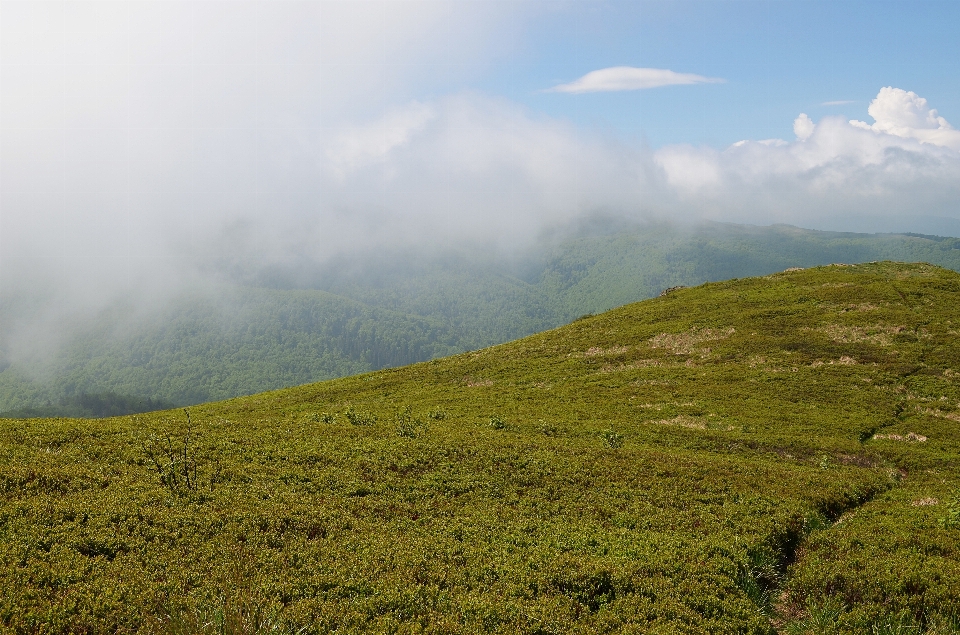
773, 454
270, 328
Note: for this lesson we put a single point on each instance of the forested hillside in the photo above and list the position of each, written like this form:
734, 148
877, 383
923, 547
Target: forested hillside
347, 317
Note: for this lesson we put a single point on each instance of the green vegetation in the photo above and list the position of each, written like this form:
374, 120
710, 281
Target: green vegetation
91, 406
391, 311
239, 342
763, 455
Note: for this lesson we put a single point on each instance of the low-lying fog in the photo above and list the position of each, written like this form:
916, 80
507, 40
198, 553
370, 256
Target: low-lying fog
154, 149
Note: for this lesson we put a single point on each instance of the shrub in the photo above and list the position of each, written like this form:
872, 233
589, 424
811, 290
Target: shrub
359, 417
952, 519
175, 462
612, 438
407, 425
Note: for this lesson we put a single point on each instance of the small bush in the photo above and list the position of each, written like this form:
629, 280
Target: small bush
952, 519
549, 429
359, 417
612, 438
497, 423
407, 425
437, 414
174, 460
815, 522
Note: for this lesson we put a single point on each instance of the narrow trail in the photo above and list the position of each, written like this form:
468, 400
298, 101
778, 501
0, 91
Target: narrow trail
785, 611
782, 610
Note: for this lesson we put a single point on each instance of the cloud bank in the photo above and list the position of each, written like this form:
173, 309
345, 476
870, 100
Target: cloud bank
619, 78
149, 148
905, 164
474, 169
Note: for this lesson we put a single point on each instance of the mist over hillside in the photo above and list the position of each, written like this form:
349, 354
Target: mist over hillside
264, 327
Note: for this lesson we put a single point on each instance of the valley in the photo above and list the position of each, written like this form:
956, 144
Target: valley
270, 328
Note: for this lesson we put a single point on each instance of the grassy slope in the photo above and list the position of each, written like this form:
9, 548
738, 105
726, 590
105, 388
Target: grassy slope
394, 312
704, 462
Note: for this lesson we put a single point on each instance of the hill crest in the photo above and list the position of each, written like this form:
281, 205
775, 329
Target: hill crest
761, 455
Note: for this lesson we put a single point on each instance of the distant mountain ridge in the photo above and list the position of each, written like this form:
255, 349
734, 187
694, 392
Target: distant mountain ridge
392, 310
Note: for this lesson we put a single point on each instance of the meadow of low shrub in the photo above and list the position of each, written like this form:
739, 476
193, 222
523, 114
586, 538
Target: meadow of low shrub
764, 455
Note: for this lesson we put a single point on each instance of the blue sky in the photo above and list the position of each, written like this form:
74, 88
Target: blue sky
779, 58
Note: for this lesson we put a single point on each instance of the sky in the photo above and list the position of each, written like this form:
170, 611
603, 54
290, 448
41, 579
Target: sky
777, 59
147, 144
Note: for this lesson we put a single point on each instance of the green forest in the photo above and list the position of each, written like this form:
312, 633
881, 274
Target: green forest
388, 311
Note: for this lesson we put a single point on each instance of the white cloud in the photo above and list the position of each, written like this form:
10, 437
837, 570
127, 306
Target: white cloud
619, 78
480, 167
835, 170
690, 169
803, 127
135, 135
356, 145
905, 114
470, 167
